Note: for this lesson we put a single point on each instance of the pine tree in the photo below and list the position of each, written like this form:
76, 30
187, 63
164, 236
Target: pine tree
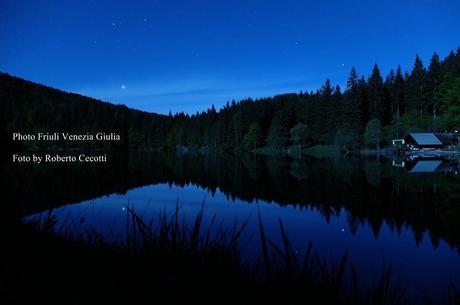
398, 93
451, 64
335, 111
254, 137
278, 133
387, 99
352, 107
389, 84
373, 133
448, 99
363, 102
433, 80
416, 88
299, 134
299, 137
398, 101
375, 94
326, 112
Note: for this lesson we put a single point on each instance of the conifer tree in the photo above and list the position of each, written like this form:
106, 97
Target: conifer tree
433, 80
375, 94
352, 108
373, 133
416, 91
254, 137
278, 133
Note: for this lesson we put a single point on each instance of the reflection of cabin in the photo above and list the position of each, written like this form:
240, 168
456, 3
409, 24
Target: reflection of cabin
425, 166
432, 165
398, 163
422, 141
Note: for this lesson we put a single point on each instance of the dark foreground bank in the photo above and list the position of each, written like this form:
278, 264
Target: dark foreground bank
170, 262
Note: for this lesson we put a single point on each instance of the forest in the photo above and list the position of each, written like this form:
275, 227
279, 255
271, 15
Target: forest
369, 112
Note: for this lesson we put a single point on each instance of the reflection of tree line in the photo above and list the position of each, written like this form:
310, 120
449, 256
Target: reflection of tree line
29, 188
370, 191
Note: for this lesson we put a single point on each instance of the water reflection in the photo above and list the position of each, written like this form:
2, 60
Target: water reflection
420, 262
428, 164
403, 213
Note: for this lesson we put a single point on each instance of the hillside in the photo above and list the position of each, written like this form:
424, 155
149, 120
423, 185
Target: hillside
28, 107
369, 112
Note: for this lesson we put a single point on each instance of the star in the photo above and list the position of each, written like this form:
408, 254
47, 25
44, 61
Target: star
123, 87
343, 65
113, 23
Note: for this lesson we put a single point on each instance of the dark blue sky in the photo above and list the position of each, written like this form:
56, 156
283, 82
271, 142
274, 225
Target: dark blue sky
186, 55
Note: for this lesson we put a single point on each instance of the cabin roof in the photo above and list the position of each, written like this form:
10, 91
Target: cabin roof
425, 138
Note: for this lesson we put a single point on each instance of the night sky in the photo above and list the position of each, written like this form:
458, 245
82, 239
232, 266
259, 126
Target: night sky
187, 55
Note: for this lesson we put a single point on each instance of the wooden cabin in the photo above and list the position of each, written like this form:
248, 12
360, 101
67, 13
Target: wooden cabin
422, 140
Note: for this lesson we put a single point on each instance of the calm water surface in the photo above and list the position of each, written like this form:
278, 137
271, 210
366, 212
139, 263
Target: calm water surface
405, 213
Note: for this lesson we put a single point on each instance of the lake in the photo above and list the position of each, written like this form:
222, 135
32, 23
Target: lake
404, 213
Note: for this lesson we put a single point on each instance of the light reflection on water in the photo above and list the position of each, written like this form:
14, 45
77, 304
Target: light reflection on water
421, 262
